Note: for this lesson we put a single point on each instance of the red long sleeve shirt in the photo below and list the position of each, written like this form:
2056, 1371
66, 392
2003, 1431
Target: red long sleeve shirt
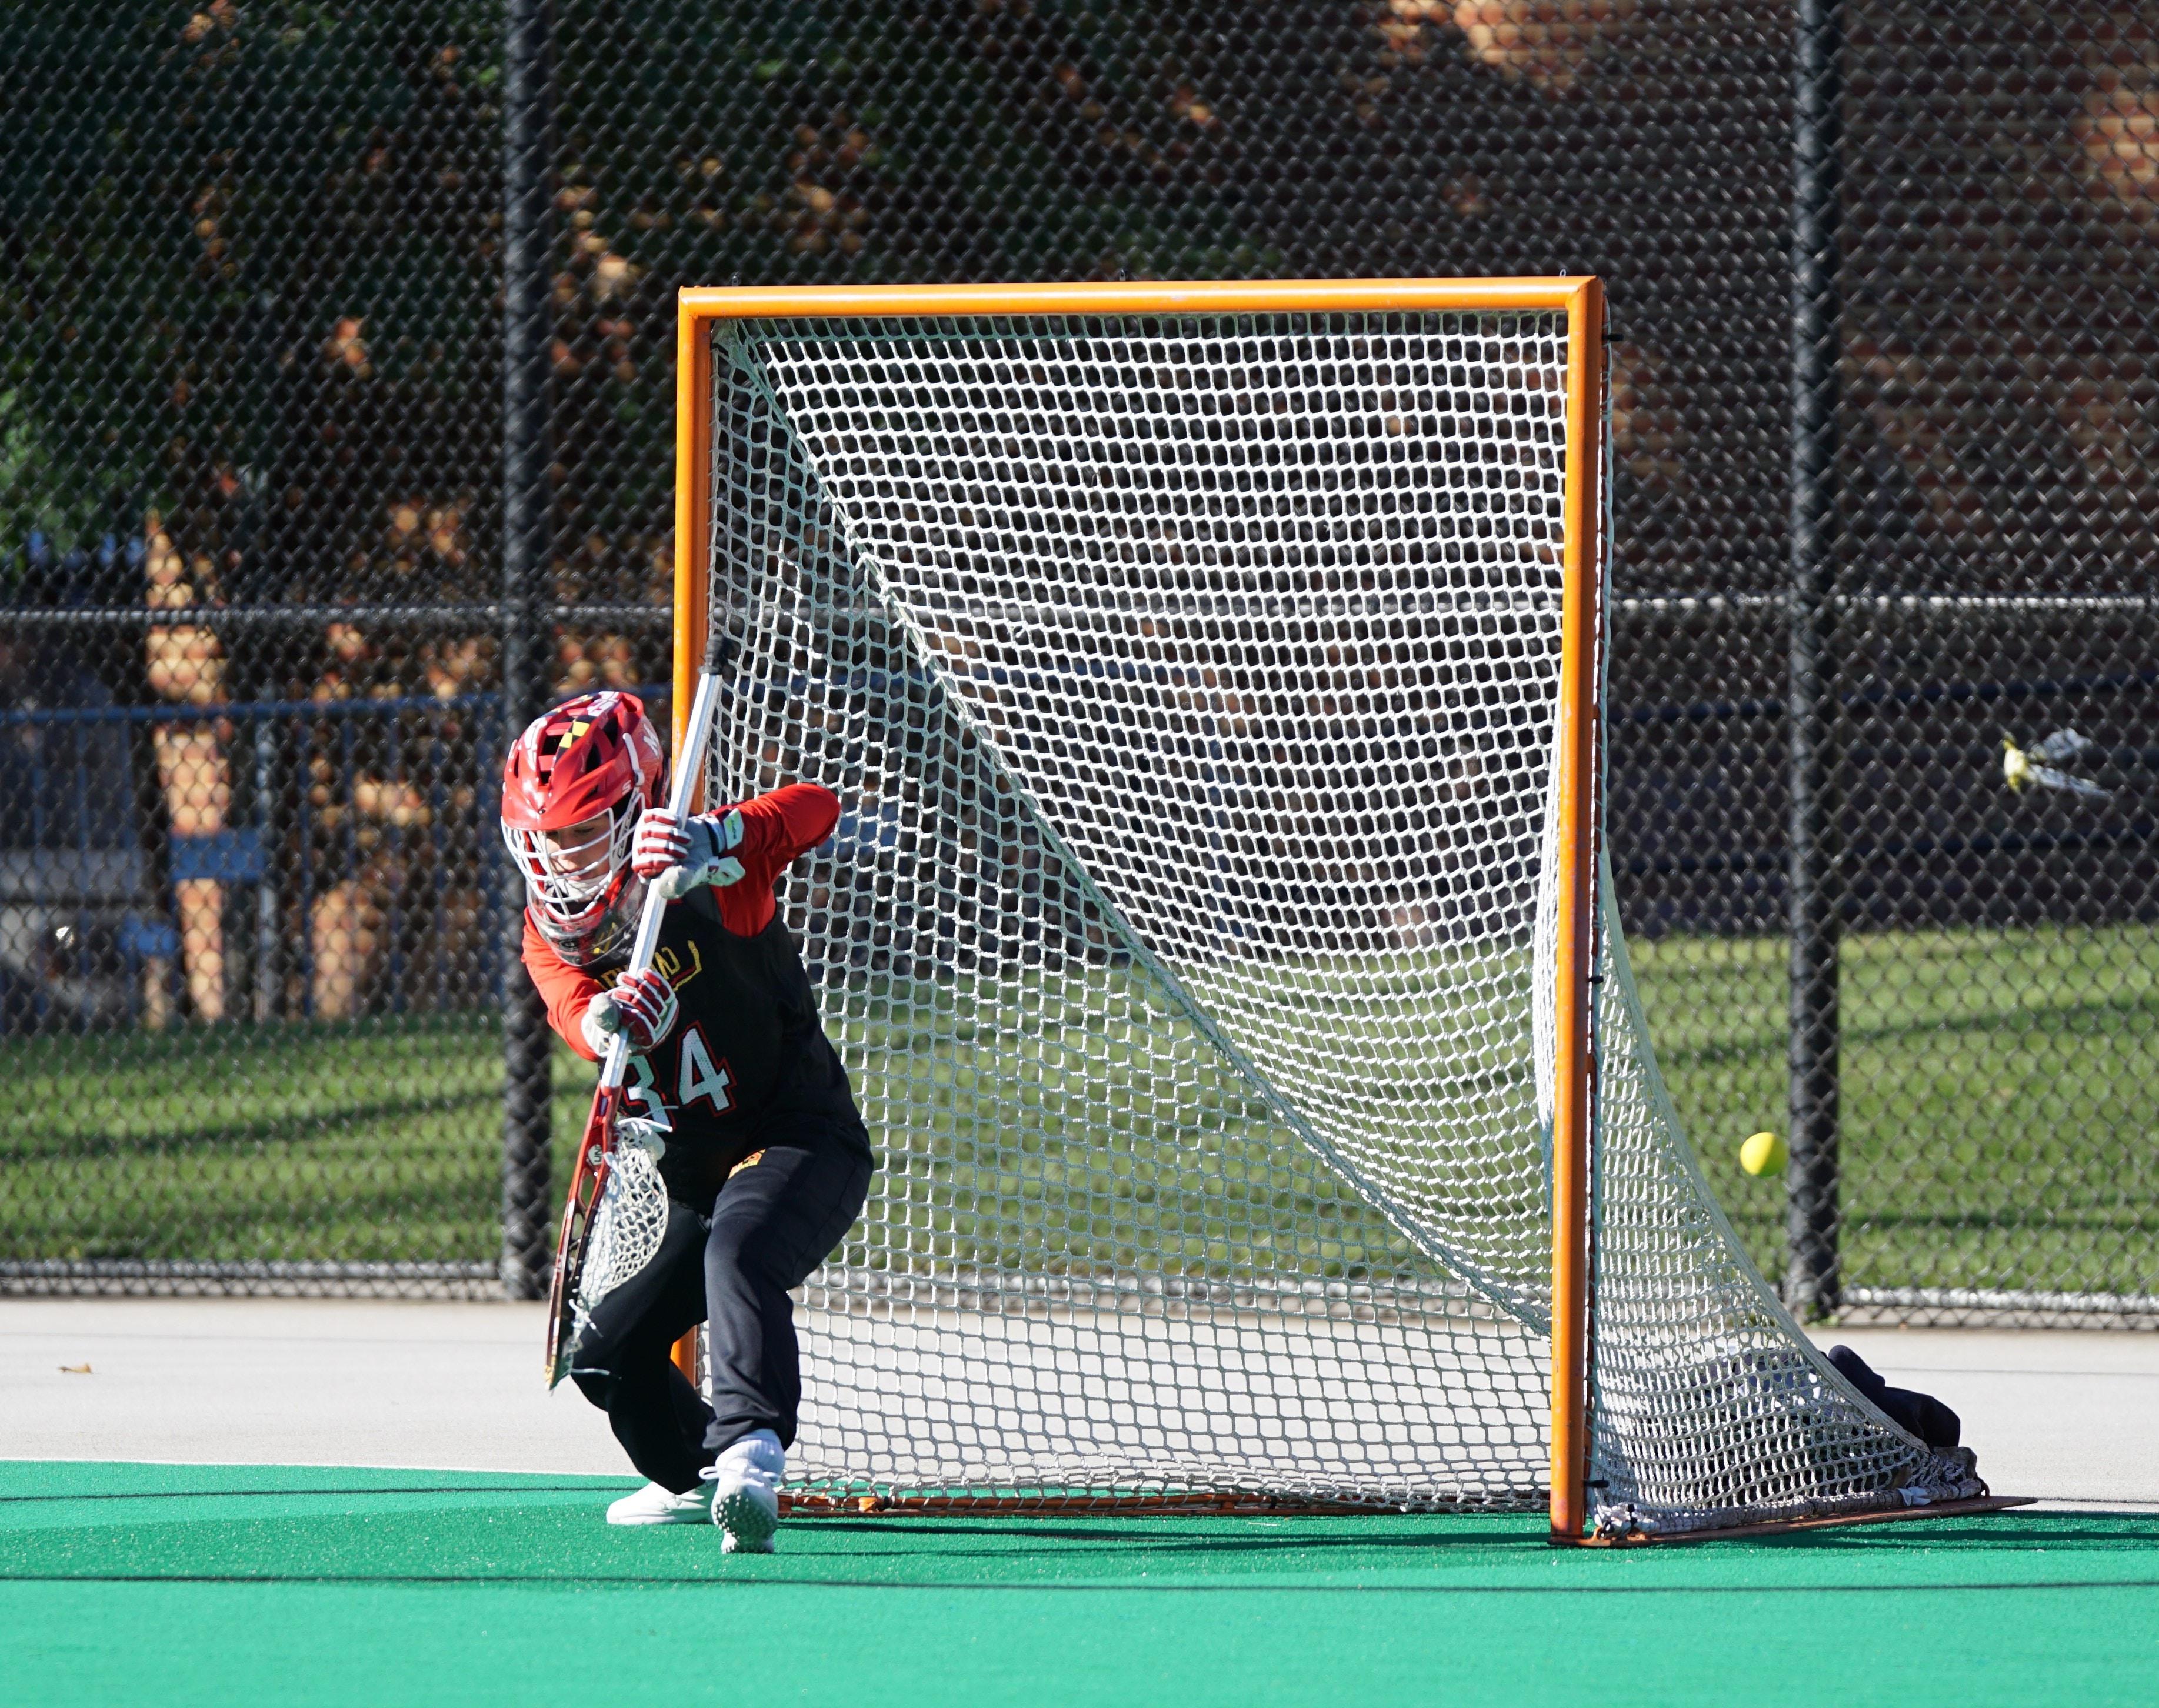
777, 829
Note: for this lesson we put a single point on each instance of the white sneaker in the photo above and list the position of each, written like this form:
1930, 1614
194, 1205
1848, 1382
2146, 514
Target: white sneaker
653, 1505
746, 1493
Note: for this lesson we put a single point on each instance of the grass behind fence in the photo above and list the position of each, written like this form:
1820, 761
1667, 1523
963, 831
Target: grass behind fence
1998, 1094
376, 1142
1998, 1089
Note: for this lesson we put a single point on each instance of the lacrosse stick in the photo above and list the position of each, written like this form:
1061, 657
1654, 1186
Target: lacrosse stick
617, 1210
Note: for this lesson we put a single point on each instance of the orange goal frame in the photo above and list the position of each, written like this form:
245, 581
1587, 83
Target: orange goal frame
1580, 722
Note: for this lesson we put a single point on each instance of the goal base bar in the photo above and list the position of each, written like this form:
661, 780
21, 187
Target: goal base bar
1779, 1527
1153, 1506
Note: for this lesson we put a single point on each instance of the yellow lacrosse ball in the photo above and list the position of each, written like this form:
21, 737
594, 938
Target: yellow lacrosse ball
1763, 1153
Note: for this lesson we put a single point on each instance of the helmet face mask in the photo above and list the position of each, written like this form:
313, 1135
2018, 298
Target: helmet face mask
571, 876
601, 934
573, 788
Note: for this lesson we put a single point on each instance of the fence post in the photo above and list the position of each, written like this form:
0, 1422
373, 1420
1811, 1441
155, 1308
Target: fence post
1811, 1285
526, 1089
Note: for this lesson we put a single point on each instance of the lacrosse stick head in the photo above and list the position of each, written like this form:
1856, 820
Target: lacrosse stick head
611, 1227
588, 1182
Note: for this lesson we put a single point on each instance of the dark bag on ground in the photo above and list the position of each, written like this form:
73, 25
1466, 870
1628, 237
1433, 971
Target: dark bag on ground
1919, 1414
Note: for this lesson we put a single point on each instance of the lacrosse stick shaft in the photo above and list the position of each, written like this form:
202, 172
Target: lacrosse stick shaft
593, 1165
697, 737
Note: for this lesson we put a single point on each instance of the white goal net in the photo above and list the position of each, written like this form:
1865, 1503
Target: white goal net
1189, 683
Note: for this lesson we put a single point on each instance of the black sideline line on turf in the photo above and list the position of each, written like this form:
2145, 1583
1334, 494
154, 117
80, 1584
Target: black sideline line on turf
1095, 1588
297, 1493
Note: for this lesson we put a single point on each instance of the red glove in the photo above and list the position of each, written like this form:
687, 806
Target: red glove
662, 840
641, 1006
675, 856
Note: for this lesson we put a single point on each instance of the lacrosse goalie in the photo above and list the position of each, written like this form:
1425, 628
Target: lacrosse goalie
732, 1088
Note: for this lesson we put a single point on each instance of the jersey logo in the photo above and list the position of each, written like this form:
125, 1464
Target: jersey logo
697, 1075
670, 963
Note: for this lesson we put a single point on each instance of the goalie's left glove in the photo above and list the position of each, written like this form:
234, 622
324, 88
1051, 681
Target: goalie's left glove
641, 1006
675, 856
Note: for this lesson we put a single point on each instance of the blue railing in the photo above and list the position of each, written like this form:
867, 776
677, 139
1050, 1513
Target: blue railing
88, 866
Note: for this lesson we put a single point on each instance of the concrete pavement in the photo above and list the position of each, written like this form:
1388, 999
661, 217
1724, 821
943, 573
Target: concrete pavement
2069, 1415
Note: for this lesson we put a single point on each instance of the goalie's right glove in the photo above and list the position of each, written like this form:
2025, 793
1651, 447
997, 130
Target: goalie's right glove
641, 1006
675, 856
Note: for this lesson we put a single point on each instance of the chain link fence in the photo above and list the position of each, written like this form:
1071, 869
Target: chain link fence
288, 288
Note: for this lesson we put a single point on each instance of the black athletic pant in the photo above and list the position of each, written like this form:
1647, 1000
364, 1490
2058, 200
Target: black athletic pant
778, 1217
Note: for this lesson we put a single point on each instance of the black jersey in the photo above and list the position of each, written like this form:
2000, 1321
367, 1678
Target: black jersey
746, 1058
747, 1055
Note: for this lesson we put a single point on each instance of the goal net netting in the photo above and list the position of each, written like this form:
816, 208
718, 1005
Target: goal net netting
1190, 684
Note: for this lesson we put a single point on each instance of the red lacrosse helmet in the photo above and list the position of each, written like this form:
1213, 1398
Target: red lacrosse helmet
572, 790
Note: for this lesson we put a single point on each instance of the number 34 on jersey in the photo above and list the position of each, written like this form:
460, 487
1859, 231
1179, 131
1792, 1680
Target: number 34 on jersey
699, 1077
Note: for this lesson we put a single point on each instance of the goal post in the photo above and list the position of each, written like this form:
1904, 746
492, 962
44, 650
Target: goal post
1215, 933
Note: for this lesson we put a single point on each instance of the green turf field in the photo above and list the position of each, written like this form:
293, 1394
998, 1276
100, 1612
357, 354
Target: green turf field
1997, 1087
186, 1584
